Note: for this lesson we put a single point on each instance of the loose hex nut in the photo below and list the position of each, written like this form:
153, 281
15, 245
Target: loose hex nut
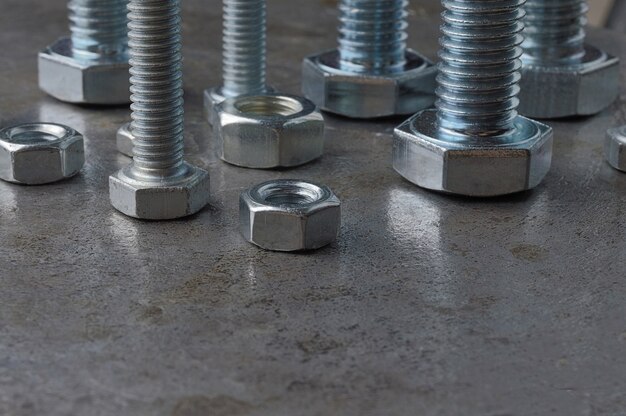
81, 81
214, 96
124, 140
289, 215
369, 96
615, 148
268, 131
472, 166
39, 153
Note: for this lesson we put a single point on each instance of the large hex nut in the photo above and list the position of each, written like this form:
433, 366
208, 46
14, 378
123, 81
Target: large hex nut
549, 91
369, 96
268, 131
615, 148
478, 166
81, 81
289, 215
39, 153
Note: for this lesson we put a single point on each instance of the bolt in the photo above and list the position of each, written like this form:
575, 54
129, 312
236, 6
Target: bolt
90, 67
158, 184
372, 73
475, 143
562, 76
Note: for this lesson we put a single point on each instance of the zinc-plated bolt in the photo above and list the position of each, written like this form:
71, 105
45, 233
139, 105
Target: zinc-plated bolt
475, 143
372, 73
91, 66
244, 53
562, 76
158, 184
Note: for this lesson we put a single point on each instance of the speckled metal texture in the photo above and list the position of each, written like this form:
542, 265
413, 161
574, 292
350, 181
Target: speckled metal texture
427, 305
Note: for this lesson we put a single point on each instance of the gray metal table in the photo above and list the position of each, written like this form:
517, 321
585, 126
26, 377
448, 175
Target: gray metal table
426, 305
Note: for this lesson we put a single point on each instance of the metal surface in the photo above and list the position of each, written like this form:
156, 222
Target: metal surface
426, 304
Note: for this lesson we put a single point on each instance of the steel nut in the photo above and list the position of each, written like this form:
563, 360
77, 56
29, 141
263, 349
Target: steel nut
615, 148
576, 90
289, 215
124, 140
83, 81
268, 131
472, 166
368, 96
39, 153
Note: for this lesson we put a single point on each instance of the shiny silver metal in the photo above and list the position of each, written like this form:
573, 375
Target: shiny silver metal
91, 67
158, 184
124, 140
615, 148
372, 73
562, 76
289, 215
40, 153
244, 54
475, 143
268, 131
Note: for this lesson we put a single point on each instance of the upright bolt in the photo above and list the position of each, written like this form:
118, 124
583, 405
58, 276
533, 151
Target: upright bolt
474, 143
562, 76
372, 73
90, 67
158, 184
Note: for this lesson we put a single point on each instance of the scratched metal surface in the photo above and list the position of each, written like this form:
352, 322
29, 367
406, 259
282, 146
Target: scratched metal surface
426, 305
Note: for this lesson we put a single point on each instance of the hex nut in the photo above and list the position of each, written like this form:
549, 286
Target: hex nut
480, 166
124, 140
369, 96
289, 215
40, 153
81, 81
214, 96
564, 91
268, 131
158, 200
615, 148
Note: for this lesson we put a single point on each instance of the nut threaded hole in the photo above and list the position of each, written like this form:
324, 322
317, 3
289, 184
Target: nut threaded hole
290, 194
36, 133
268, 105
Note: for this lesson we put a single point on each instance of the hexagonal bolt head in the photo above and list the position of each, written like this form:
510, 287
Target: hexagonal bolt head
564, 91
124, 140
369, 96
289, 215
479, 166
39, 153
73, 80
269, 131
615, 148
160, 200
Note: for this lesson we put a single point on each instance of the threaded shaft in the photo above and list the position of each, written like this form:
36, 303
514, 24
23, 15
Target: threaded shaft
555, 30
99, 27
372, 36
156, 87
244, 47
479, 73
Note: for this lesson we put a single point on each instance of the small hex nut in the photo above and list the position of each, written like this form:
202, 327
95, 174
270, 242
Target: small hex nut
481, 166
369, 96
549, 91
289, 215
67, 78
268, 131
40, 153
124, 140
615, 148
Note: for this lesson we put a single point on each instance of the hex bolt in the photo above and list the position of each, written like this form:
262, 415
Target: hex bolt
562, 76
475, 143
158, 184
90, 67
372, 73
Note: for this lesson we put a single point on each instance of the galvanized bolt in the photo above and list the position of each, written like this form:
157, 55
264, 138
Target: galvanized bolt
158, 184
562, 76
475, 143
372, 73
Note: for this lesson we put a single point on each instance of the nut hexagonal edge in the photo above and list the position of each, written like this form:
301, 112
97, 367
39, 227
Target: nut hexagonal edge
615, 148
124, 140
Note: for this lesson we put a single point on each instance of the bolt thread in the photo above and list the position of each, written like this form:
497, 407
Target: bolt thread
99, 27
156, 87
244, 47
372, 36
479, 73
555, 30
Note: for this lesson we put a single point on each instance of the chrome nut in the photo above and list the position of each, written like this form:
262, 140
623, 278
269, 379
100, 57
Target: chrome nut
124, 140
80, 81
268, 131
39, 153
472, 166
565, 91
289, 215
214, 96
368, 96
615, 148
